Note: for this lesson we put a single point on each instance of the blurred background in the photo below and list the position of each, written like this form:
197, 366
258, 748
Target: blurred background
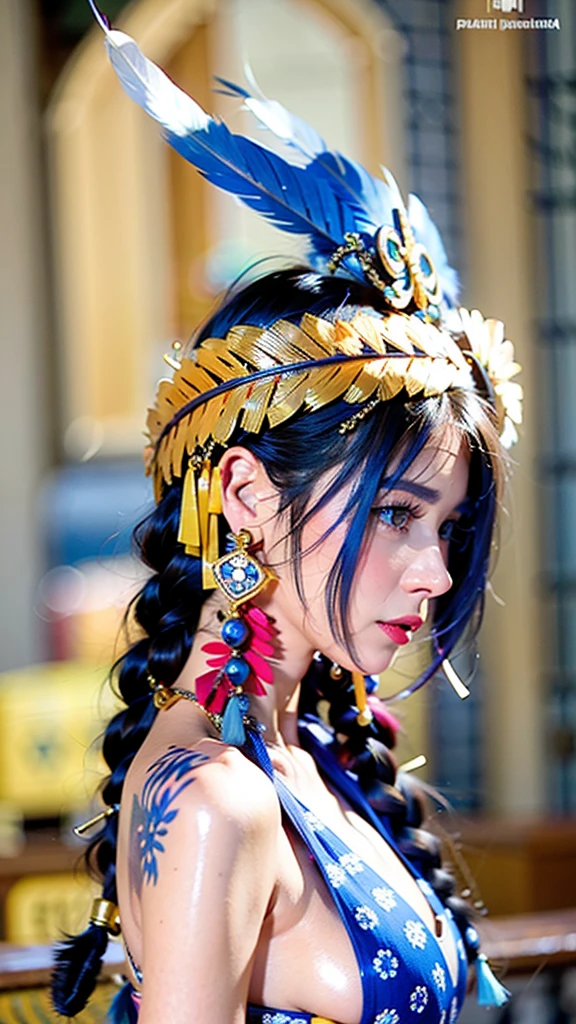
111, 247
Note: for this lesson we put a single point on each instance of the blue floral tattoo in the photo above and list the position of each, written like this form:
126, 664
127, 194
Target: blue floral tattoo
166, 779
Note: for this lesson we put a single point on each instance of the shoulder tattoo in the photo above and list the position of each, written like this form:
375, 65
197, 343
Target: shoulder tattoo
157, 807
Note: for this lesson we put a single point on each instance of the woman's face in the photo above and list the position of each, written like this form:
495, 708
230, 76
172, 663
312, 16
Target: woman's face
402, 564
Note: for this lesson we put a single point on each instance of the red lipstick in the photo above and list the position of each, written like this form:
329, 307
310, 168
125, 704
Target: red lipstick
400, 630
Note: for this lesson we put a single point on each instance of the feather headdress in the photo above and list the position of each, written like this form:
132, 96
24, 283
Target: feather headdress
353, 223
344, 213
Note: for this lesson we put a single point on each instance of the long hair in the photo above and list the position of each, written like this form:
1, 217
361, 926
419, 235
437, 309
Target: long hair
295, 455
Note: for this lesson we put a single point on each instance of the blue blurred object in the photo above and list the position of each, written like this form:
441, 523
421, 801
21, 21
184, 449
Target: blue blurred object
89, 511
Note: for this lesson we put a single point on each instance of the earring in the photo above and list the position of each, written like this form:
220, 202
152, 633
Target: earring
238, 664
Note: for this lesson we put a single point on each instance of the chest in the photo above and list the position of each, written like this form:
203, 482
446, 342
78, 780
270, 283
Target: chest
353, 921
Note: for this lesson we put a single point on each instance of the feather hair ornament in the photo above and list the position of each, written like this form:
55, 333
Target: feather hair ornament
377, 198
348, 217
354, 224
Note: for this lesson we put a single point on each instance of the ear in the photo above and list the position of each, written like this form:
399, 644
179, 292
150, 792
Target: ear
249, 498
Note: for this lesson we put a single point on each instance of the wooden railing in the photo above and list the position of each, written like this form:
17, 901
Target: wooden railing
519, 944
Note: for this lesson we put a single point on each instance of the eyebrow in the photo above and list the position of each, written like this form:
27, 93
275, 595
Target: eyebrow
428, 494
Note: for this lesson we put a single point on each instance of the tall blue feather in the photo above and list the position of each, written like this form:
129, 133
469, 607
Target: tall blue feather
371, 198
368, 196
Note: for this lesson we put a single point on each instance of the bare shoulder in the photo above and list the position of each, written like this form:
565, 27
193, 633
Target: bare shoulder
181, 794
232, 785
203, 834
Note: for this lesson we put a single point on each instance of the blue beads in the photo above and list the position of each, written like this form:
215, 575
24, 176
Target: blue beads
235, 632
472, 938
237, 670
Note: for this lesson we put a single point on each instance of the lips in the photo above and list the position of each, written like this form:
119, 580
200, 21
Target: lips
401, 630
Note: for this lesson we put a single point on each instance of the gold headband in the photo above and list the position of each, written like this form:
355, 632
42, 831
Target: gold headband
268, 374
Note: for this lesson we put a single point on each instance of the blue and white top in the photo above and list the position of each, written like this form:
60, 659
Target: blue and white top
404, 973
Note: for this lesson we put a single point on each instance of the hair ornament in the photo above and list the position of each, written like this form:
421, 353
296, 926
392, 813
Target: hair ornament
86, 826
237, 662
344, 213
495, 354
353, 223
104, 914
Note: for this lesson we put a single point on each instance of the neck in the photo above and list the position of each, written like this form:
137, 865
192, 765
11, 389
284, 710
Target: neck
277, 711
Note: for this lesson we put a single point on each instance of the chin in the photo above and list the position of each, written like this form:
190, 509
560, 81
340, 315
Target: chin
375, 662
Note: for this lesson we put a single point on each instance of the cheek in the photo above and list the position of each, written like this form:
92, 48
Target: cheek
379, 569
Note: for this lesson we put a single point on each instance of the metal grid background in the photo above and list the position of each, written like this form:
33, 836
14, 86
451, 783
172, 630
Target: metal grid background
552, 92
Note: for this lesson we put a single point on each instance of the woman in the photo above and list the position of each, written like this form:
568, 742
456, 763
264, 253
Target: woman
266, 863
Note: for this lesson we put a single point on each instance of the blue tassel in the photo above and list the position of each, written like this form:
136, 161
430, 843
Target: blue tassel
233, 731
122, 1009
489, 990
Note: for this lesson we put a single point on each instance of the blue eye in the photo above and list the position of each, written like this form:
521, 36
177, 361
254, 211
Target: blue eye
448, 529
397, 516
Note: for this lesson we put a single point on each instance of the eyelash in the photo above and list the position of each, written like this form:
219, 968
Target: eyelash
413, 512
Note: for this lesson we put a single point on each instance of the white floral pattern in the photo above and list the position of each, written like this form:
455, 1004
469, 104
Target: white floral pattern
351, 863
384, 897
366, 918
398, 957
281, 1018
385, 964
313, 822
419, 999
336, 875
439, 976
416, 934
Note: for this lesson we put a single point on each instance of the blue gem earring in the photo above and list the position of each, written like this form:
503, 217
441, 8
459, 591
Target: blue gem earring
237, 662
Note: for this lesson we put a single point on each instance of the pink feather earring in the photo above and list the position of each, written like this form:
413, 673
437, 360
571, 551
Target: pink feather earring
237, 663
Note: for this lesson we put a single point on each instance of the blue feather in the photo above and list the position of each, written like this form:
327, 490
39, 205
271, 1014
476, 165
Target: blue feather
323, 198
426, 232
371, 199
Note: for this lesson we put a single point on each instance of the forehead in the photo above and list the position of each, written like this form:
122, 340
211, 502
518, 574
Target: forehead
443, 462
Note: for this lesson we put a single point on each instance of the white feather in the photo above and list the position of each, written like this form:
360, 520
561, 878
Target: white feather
148, 86
280, 121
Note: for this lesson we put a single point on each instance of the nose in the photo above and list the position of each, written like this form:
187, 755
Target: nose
426, 573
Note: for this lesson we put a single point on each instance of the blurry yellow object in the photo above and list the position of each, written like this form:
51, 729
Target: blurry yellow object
41, 908
34, 1006
50, 716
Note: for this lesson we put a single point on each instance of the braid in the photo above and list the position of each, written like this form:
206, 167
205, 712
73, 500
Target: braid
166, 610
366, 751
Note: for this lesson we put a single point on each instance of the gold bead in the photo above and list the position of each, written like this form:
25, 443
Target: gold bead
336, 671
364, 717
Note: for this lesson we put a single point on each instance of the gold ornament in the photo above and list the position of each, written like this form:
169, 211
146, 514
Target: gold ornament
496, 354
105, 914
